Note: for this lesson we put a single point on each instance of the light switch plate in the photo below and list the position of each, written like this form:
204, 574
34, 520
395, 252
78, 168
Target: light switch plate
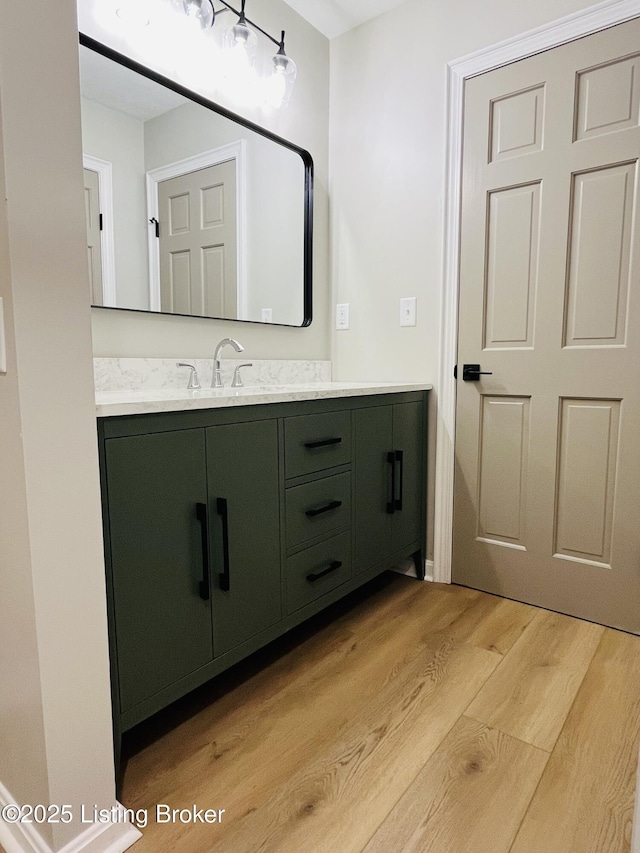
3, 343
342, 315
408, 311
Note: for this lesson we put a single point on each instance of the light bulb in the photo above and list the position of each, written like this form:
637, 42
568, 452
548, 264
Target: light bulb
280, 84
241, 39
200, 12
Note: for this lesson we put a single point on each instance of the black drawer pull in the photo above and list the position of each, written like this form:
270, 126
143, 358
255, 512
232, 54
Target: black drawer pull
391, 460
331, 568
324, 443
400, 460
224, 578
313, 512
203, 517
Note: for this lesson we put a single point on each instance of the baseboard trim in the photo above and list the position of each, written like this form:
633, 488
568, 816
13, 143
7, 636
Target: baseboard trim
112, 837
104, 838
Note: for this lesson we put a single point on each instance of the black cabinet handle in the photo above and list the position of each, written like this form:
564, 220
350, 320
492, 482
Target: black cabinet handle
391, 504
224, 578
331, 568
203, 517
400, 460
324, 443
332, 505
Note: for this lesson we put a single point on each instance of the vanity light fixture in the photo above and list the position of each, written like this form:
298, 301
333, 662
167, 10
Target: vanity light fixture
240, 44
236, 58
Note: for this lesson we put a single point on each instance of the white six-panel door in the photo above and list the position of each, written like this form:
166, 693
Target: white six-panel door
198, 242
547, 488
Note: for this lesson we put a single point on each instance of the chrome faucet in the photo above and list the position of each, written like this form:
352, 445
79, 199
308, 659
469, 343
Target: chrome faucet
216, 381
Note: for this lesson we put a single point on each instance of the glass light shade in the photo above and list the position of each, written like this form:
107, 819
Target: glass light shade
240, 38
280, 84
200, 12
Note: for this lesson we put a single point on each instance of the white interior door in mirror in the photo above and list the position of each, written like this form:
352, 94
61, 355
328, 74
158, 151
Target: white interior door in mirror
94, 250
197, 242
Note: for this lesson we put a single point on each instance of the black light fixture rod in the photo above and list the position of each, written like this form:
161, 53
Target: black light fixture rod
254, 25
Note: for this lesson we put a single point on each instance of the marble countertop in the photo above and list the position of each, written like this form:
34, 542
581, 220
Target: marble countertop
145, 401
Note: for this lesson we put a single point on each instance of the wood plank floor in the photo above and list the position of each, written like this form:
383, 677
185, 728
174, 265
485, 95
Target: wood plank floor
415, 717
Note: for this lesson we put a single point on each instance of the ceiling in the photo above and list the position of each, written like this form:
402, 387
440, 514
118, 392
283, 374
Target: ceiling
121, 89
334, 17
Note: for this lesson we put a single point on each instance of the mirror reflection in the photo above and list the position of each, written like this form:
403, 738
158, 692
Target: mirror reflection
188, 210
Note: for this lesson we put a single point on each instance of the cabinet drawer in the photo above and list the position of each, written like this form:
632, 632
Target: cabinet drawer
318, 508
318, 570
316, 442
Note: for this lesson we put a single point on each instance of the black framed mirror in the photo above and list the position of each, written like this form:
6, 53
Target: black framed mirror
191, 209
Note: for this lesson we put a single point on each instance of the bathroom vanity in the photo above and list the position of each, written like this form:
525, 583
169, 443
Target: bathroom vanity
230, 518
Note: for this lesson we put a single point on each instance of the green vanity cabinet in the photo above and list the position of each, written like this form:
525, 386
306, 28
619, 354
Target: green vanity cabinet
242, 467
225, 527
155, 484
390, 446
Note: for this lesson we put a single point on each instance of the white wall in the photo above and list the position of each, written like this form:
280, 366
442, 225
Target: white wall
22, 741
387, 155
55, 718
118, 138
305, 122
387, 170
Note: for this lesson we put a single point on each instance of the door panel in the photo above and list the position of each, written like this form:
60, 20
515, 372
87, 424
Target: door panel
589, 430
503, 467
600, 256
408, 437
374, 441
242, 462
517, 123
512, 259
608, 98
163, 625
198, 242
547, 449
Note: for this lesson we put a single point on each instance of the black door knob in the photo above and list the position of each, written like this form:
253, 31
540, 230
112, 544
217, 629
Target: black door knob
472, 372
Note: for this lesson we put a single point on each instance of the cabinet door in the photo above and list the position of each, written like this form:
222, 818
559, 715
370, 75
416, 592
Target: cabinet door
242, 462
163, 624
408, 440
374, 442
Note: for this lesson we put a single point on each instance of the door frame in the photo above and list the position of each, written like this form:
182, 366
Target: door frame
554, 34
232, 151
105, 192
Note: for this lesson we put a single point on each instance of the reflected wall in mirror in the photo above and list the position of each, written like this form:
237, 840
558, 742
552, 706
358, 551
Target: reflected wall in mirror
190, 209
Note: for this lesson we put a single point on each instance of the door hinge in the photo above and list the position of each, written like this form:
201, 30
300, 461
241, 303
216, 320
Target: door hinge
455, 371
100, 221
157, 225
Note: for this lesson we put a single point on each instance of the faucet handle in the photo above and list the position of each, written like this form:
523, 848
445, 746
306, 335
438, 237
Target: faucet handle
237, 379
194, 383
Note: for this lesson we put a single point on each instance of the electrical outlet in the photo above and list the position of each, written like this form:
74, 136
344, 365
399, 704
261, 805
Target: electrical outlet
408, 311
342, 315
267, 315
